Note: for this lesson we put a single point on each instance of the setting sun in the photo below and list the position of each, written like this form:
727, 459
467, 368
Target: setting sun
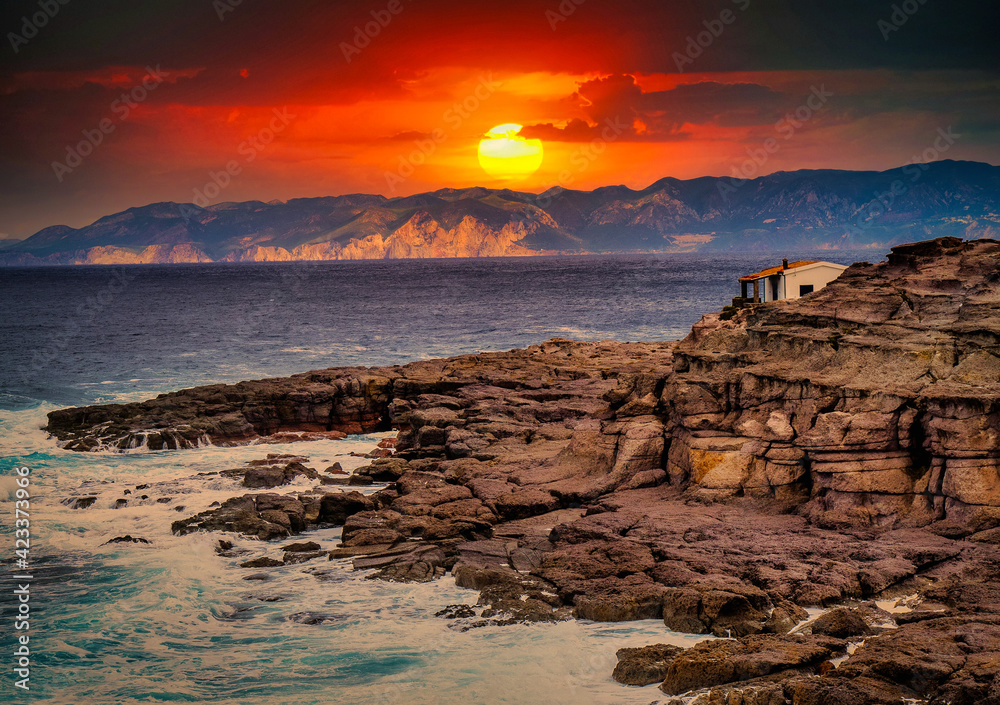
504, 154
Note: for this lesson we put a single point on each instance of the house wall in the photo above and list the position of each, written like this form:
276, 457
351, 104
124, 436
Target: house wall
819, 276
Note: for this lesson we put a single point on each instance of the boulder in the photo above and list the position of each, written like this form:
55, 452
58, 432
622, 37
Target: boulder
524, 503
127, 538
721, 661
841, 623
302, 557
644, 665
301, 547
338, 506
737, 610
834, 690
620, 600
264, 516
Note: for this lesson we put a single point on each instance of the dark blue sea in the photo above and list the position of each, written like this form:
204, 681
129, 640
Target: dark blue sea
171, 621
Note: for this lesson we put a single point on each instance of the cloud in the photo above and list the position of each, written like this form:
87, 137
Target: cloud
660, 116
107, 77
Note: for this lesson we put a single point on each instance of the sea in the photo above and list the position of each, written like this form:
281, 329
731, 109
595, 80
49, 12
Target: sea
170, 620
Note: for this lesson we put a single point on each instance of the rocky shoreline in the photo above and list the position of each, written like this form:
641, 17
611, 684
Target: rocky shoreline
841, 449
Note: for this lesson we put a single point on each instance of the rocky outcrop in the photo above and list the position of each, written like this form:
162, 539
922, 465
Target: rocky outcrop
268, 515
727, 661
841, 623
938, 660
165, 253
362, 400
419, 237
264, 516
153, 254
327, 402
874, 401
646, 664
273, 471
840, 448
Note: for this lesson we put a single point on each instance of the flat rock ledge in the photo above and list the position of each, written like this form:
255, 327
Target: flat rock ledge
838, 450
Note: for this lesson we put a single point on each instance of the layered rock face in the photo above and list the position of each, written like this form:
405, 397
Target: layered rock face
875, 400
323, 403
417, 398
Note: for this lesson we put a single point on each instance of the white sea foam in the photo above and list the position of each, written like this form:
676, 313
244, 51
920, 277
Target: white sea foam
8, 486
172, 619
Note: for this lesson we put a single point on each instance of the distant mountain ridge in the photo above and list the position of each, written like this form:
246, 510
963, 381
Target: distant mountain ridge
806, 209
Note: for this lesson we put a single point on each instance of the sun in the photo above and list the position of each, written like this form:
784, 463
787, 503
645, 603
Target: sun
504, 154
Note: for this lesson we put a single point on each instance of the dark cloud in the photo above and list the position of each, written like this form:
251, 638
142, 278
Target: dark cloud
614, 36
659, 116
295, 52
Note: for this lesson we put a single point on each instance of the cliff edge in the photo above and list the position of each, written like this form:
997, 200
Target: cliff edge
875, 400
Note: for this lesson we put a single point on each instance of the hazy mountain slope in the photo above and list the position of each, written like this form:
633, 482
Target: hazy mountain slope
800, 209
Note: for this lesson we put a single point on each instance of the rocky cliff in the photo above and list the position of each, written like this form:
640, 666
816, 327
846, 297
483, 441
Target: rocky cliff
840, 449
876, 400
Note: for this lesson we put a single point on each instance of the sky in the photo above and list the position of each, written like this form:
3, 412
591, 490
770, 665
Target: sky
116, 104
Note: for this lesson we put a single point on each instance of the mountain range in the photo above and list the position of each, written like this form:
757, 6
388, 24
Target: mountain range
806, 209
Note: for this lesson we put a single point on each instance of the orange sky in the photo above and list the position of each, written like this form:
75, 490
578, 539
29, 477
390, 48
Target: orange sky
294, 102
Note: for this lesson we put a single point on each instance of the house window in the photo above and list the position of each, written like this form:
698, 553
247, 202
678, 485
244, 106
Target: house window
805, 289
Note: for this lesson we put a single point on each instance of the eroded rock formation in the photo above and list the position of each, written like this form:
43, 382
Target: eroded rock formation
876, 400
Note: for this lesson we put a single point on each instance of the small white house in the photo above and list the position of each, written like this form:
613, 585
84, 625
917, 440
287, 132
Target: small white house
789, 281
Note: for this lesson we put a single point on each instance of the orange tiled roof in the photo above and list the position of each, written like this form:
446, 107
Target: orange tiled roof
777, 270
